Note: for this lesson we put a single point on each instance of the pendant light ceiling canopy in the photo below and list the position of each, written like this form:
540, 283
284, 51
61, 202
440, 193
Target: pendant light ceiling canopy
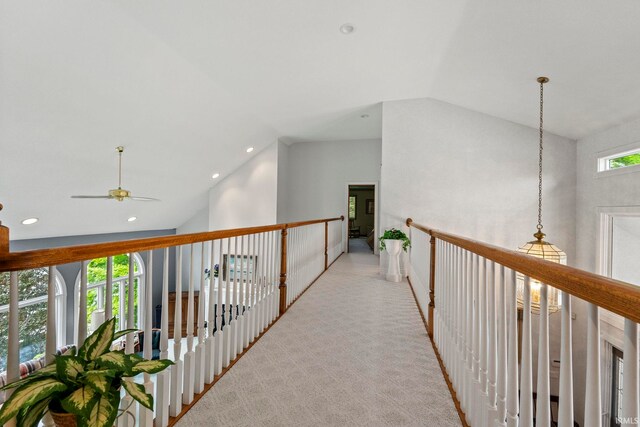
540, 248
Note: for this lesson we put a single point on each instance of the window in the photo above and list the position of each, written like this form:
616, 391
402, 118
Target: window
352, 207
619, 160
32, 313
97, 286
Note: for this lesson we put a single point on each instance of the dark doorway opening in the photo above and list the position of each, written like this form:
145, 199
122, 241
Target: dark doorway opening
361, 215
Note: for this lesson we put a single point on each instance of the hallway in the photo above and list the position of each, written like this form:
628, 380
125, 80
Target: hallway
351, 351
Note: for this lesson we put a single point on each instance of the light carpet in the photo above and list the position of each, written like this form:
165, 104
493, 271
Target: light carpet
352, 351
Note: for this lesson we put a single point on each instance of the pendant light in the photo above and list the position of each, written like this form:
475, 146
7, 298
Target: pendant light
539, 248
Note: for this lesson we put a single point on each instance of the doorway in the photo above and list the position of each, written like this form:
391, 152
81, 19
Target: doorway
361, 207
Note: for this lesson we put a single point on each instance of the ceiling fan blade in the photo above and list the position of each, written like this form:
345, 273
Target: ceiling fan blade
91, 197
144, 199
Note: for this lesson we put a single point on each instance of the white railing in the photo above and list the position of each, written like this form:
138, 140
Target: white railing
468, 289
261, 271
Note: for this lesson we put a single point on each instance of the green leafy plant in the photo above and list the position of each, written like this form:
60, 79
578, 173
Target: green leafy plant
85, 383
395, 234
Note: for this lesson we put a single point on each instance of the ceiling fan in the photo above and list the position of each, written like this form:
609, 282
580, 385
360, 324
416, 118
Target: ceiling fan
119, 193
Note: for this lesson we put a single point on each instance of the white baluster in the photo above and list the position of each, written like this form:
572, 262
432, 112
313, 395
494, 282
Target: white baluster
492, 409
219, 313
146, 415
462, 350
512, 357
258, 287
593, 410
82, 305
251, 259
108, 305
267, 289
484, 335
565, 410
210, 357
475, 407
630, 374
228, 310
13, 347
177, 376
501, 372
200, 347
543, 405
470, 396
189, 357
51, 343
241, 302
51, 338
163, 381
127, 403
526, 389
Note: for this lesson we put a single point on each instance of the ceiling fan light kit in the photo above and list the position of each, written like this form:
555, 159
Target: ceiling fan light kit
119, 193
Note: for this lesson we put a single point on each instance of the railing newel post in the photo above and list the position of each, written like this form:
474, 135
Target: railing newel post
326, 245
432, 281
283, 270
4, 237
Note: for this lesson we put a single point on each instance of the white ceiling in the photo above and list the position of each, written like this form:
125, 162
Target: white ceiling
186, 86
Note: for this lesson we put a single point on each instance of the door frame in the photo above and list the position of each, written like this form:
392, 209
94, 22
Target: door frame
612, 333
376, 213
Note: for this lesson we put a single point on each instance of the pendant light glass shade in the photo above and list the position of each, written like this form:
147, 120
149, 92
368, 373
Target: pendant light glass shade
549, 252
539, 248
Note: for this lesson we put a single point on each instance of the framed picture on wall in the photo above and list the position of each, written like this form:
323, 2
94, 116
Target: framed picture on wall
243, 269
370, 206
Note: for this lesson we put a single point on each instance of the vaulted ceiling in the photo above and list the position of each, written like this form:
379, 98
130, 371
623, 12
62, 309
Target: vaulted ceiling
187, 85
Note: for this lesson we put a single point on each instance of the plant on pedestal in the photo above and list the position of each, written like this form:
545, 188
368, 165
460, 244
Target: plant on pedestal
393, 241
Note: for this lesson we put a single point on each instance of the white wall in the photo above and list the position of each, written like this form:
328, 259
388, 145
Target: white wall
474, 175
247, 197
198, 223
626, 247
283, 182
318, 173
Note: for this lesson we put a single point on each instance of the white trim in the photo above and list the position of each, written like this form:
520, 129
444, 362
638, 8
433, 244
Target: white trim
376, 213
603, 264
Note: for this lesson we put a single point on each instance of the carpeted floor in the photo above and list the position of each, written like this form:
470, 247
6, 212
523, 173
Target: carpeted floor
351, 351
359, 245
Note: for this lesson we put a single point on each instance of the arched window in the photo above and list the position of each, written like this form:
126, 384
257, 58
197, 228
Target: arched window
32, 313
96, 291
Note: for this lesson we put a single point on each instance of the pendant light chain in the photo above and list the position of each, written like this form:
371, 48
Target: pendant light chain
540, 158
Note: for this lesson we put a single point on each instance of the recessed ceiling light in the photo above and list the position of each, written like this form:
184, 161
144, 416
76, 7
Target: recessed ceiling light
132, 218
364, 116
29, 221
347, 28
215, 175
250, 149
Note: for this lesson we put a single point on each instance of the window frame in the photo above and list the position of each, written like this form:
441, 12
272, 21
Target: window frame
139, 275
603, 158
60, 307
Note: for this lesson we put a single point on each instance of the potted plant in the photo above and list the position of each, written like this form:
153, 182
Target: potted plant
82, 388
393, 241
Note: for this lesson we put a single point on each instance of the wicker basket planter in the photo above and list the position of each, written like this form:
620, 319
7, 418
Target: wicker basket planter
64, 419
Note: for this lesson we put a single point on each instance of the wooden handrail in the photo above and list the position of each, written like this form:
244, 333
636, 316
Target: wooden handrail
56, 256
616, 296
